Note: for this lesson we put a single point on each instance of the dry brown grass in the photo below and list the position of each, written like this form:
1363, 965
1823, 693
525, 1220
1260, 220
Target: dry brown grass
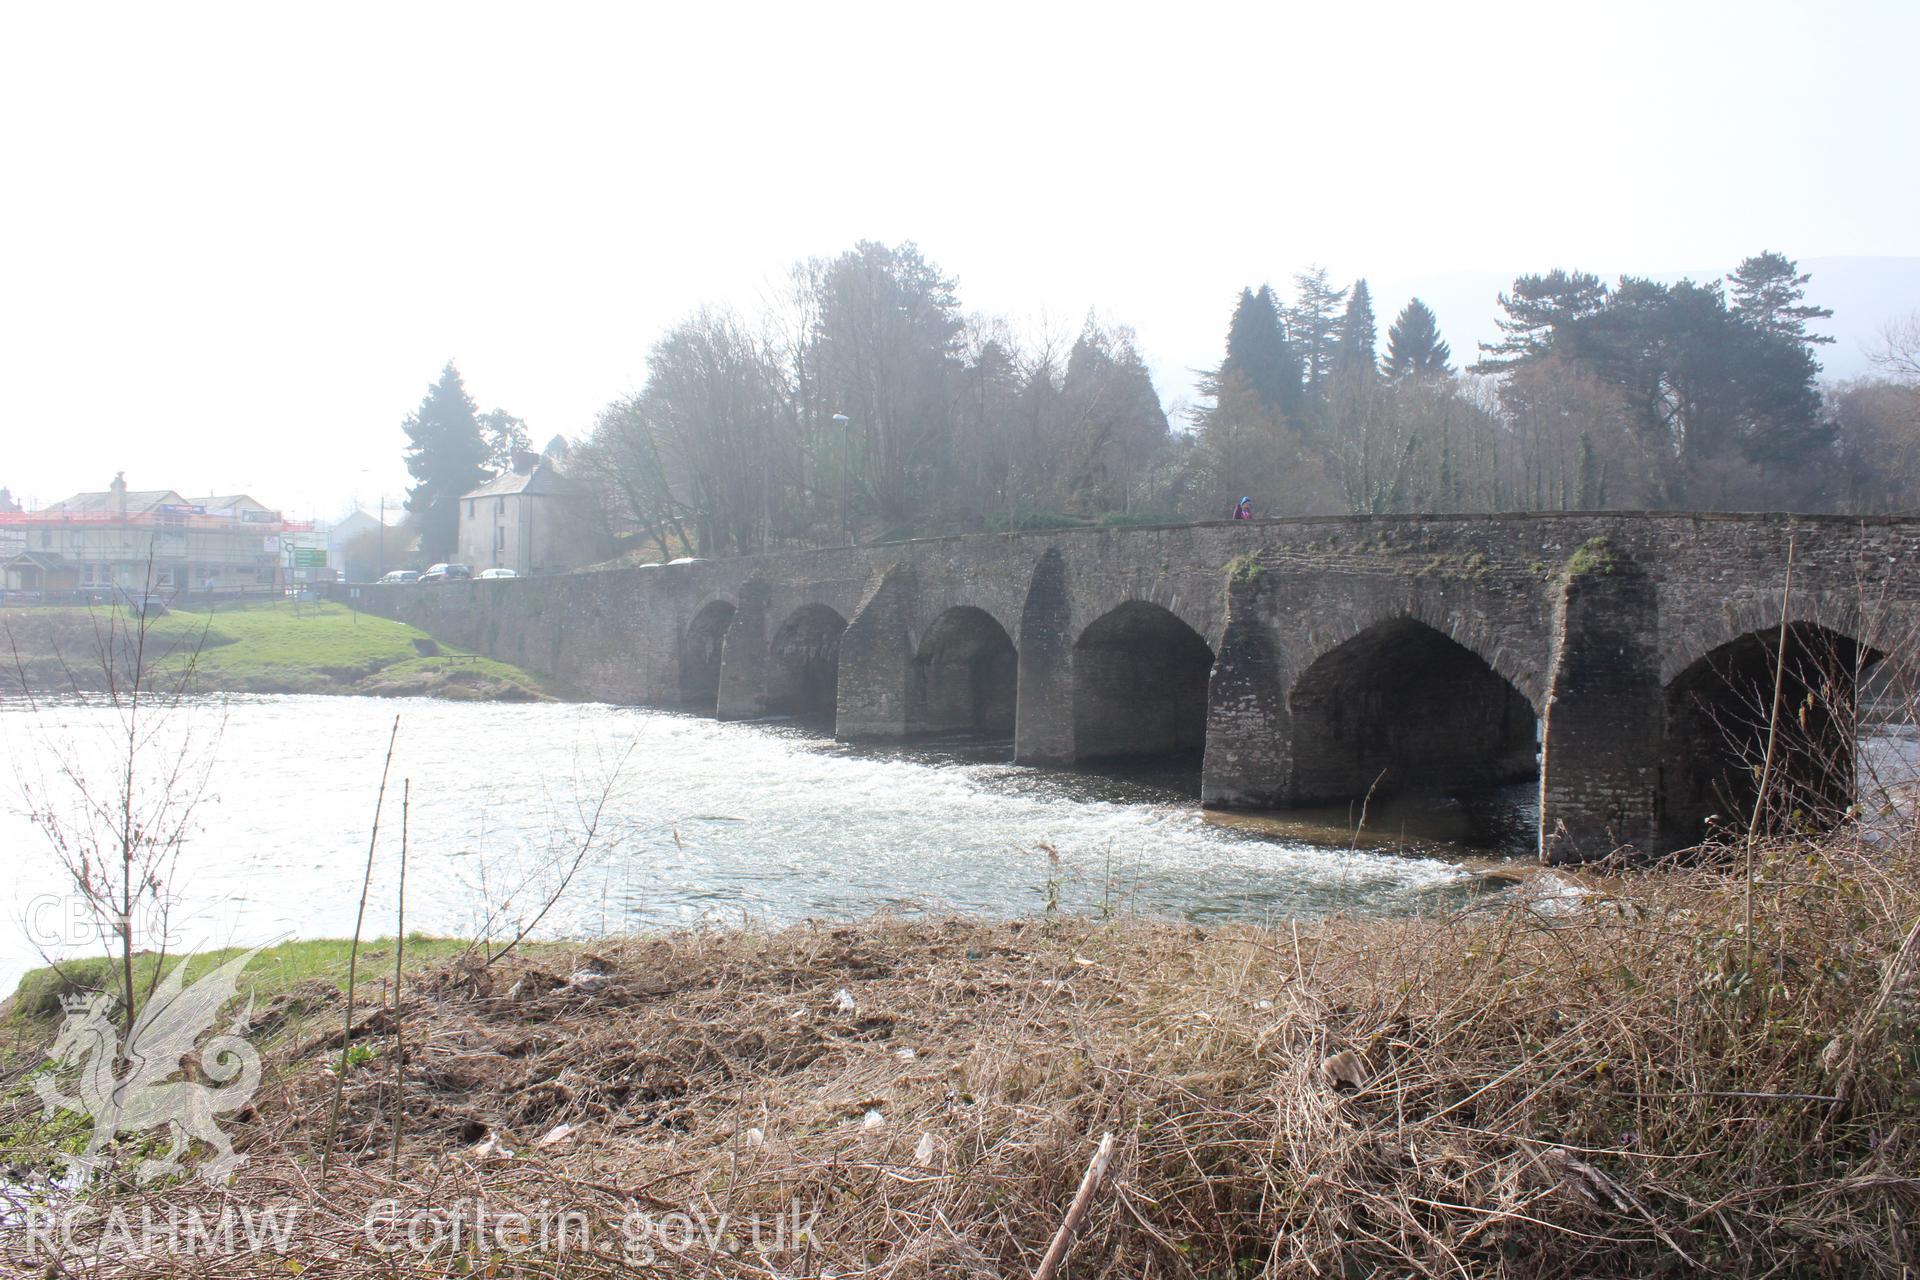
1545, 1086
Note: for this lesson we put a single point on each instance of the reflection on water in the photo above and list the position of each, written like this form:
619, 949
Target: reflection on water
705, 822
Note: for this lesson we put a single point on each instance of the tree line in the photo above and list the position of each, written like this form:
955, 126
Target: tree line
865, 403
1635, 395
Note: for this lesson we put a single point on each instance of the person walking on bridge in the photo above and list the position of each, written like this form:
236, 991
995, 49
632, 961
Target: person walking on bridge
1245, 510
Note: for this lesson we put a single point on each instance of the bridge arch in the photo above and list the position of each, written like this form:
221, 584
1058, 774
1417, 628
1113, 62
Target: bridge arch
1140, 686
1719, 710
1456, 621
1695, 639
700, 653
965, 675
803, 664
1400, 706
1203, 614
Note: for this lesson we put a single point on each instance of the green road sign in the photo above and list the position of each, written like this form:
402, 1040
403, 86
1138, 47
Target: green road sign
309, 557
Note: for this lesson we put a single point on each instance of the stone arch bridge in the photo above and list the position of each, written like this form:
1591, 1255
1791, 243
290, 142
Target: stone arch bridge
1620, 658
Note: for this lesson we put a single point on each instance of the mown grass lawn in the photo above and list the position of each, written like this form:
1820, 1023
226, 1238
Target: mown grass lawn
281, 647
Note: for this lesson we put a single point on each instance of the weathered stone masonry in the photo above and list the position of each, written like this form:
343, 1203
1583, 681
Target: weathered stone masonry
1336, 656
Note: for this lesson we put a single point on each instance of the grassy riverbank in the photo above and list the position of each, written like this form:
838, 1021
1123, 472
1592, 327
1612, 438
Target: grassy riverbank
1609, 1084
278, 647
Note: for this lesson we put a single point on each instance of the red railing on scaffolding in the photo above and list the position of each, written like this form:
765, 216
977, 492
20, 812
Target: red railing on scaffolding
191, 521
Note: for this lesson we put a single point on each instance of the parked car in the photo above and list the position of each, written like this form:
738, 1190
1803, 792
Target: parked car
498, 573
400, 575
447, 573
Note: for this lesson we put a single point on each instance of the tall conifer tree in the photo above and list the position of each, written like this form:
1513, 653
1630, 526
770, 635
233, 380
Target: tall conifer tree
1539, 309
1258, 351
1414, 346
1768, 293
1314, 321
1354, 347
446, 456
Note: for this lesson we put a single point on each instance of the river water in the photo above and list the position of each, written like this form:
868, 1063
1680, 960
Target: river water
703, 822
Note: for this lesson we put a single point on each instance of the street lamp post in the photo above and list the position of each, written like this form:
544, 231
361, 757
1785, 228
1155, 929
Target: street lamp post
846, 434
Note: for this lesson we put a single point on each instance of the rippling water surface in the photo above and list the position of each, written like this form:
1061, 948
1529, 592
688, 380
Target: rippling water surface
704, 822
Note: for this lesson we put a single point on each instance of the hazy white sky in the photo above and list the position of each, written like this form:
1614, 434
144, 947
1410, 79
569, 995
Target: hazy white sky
238, 242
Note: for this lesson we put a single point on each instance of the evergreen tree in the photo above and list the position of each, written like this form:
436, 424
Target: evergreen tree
446, 457
1706, 385
1768, 289
505, 435
1258, 352
1538, 310
1314, 321
1115, 415
1354, 354
1414, 345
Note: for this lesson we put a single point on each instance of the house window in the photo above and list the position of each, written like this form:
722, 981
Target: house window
499, 537
501, 508
469, 508
46, 538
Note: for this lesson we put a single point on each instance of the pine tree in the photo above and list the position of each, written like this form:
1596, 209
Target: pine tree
446, 457
1768, 289
1539, 309
1414, 345
1257, 351
1314, 321
1706, 384
1354, 345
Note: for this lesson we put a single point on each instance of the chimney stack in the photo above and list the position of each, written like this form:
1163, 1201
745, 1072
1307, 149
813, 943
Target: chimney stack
524, 461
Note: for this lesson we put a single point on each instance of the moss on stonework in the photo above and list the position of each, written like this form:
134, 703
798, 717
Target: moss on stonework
1244, 568
1472, 564
1595, 555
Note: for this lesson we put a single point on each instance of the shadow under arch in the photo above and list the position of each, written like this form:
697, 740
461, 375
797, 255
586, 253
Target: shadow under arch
1719, 710
965, 676
700, 656
803, 664
1402, 708
1140, 687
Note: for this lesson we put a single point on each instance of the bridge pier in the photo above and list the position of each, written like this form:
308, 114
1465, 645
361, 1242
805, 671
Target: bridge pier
1043, 712
743, 656
876, 660
1604, 728
1249, 754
